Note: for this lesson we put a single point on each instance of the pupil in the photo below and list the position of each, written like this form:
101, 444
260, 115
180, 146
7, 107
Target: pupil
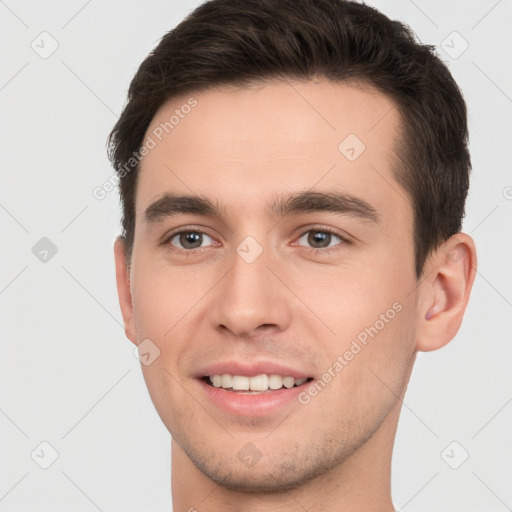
316, 238
191, 240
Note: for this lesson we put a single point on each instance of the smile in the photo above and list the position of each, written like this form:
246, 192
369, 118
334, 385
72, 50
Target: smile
257, 383
252, 396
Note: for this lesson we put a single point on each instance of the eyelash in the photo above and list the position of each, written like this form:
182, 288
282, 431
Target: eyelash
314, 250
191, 252
185, 252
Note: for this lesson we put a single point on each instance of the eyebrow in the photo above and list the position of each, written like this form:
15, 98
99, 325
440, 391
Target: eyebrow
171, 204
334, 202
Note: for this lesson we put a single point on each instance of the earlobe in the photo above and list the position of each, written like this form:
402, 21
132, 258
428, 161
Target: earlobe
444, 292
123, 289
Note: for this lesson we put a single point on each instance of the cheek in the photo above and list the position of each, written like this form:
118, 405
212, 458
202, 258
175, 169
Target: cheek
166, 305
381, 354
160, 309
370, 316
162, 297
350, 299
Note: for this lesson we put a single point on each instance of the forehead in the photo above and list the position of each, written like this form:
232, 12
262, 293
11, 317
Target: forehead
240, 146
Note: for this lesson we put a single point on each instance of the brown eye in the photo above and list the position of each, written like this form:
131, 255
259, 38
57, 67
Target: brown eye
319, 239
189, 239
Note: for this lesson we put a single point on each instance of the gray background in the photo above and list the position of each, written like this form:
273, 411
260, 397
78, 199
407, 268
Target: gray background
68, 375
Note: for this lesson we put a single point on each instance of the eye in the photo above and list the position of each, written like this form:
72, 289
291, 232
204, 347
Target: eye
187, 240
320, 239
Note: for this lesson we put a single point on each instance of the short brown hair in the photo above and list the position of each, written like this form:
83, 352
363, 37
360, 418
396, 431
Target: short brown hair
239, 42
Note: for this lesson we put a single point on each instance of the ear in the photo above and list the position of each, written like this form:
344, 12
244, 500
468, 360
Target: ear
123, 289
444, 292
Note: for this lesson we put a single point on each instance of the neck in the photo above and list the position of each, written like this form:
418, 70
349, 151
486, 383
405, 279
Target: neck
362, 481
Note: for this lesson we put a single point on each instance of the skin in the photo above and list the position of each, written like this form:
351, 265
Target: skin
240, 147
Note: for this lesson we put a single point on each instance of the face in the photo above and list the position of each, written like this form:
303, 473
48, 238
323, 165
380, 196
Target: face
290, 254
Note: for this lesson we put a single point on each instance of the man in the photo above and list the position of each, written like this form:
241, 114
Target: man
293, 177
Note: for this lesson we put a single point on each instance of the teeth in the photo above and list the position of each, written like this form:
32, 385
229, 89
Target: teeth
226, 380
257, 383
288, 382
240, 383
275, 382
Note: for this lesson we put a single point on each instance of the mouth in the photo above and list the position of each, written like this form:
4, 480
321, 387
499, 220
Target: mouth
254, 385
260, 388
262, 395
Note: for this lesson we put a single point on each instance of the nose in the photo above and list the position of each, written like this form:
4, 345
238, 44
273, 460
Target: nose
250, 299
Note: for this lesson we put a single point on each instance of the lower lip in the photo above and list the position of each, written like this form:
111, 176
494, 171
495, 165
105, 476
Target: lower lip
258, 404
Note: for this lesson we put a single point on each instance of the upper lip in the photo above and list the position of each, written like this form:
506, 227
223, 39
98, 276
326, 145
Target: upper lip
251, 369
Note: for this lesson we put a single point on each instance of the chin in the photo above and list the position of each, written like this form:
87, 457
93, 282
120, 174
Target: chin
266, 479
275, 472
